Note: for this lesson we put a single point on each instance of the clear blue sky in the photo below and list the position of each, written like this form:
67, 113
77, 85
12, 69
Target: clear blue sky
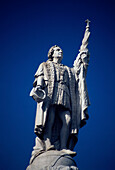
27, 30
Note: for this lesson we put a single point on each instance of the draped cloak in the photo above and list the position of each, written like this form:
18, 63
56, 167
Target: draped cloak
78, 94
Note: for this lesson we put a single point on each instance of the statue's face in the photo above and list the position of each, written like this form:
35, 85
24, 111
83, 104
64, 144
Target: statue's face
58, 53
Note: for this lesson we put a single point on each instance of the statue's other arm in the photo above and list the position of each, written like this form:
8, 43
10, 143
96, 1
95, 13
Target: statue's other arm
39, 77
38, 84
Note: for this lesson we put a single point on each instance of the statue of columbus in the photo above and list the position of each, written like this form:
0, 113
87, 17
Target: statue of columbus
62, 100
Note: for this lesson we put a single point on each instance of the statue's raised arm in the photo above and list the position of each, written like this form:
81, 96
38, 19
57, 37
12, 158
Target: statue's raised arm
80, 69
86, 37
83, 56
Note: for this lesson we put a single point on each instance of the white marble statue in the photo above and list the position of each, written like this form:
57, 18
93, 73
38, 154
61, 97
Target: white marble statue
62, 100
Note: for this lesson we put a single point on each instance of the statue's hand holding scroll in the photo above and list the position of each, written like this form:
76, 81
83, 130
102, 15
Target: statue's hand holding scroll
38, 94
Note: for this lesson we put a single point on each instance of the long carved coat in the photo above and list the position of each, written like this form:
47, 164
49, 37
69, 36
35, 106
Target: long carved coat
78, 92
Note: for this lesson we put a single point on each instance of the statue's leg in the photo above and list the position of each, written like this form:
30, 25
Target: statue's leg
65, 130
49, 126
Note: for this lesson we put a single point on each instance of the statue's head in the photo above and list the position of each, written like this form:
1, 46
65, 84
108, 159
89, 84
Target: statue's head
55, 51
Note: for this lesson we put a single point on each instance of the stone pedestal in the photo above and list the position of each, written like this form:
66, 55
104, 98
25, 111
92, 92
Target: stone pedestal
53, 160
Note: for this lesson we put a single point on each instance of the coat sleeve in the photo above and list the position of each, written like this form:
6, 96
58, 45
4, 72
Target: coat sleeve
39, 76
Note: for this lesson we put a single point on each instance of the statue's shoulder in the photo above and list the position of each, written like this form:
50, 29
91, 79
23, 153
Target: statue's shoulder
67, 67
64, 66
42, 64
40, 69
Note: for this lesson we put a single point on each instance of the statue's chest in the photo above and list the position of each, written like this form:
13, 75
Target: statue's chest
61, 73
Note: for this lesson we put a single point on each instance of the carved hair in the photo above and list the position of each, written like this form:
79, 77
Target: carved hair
51, 51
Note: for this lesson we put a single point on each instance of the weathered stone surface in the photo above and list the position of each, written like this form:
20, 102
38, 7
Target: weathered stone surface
62, 101
53, 160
